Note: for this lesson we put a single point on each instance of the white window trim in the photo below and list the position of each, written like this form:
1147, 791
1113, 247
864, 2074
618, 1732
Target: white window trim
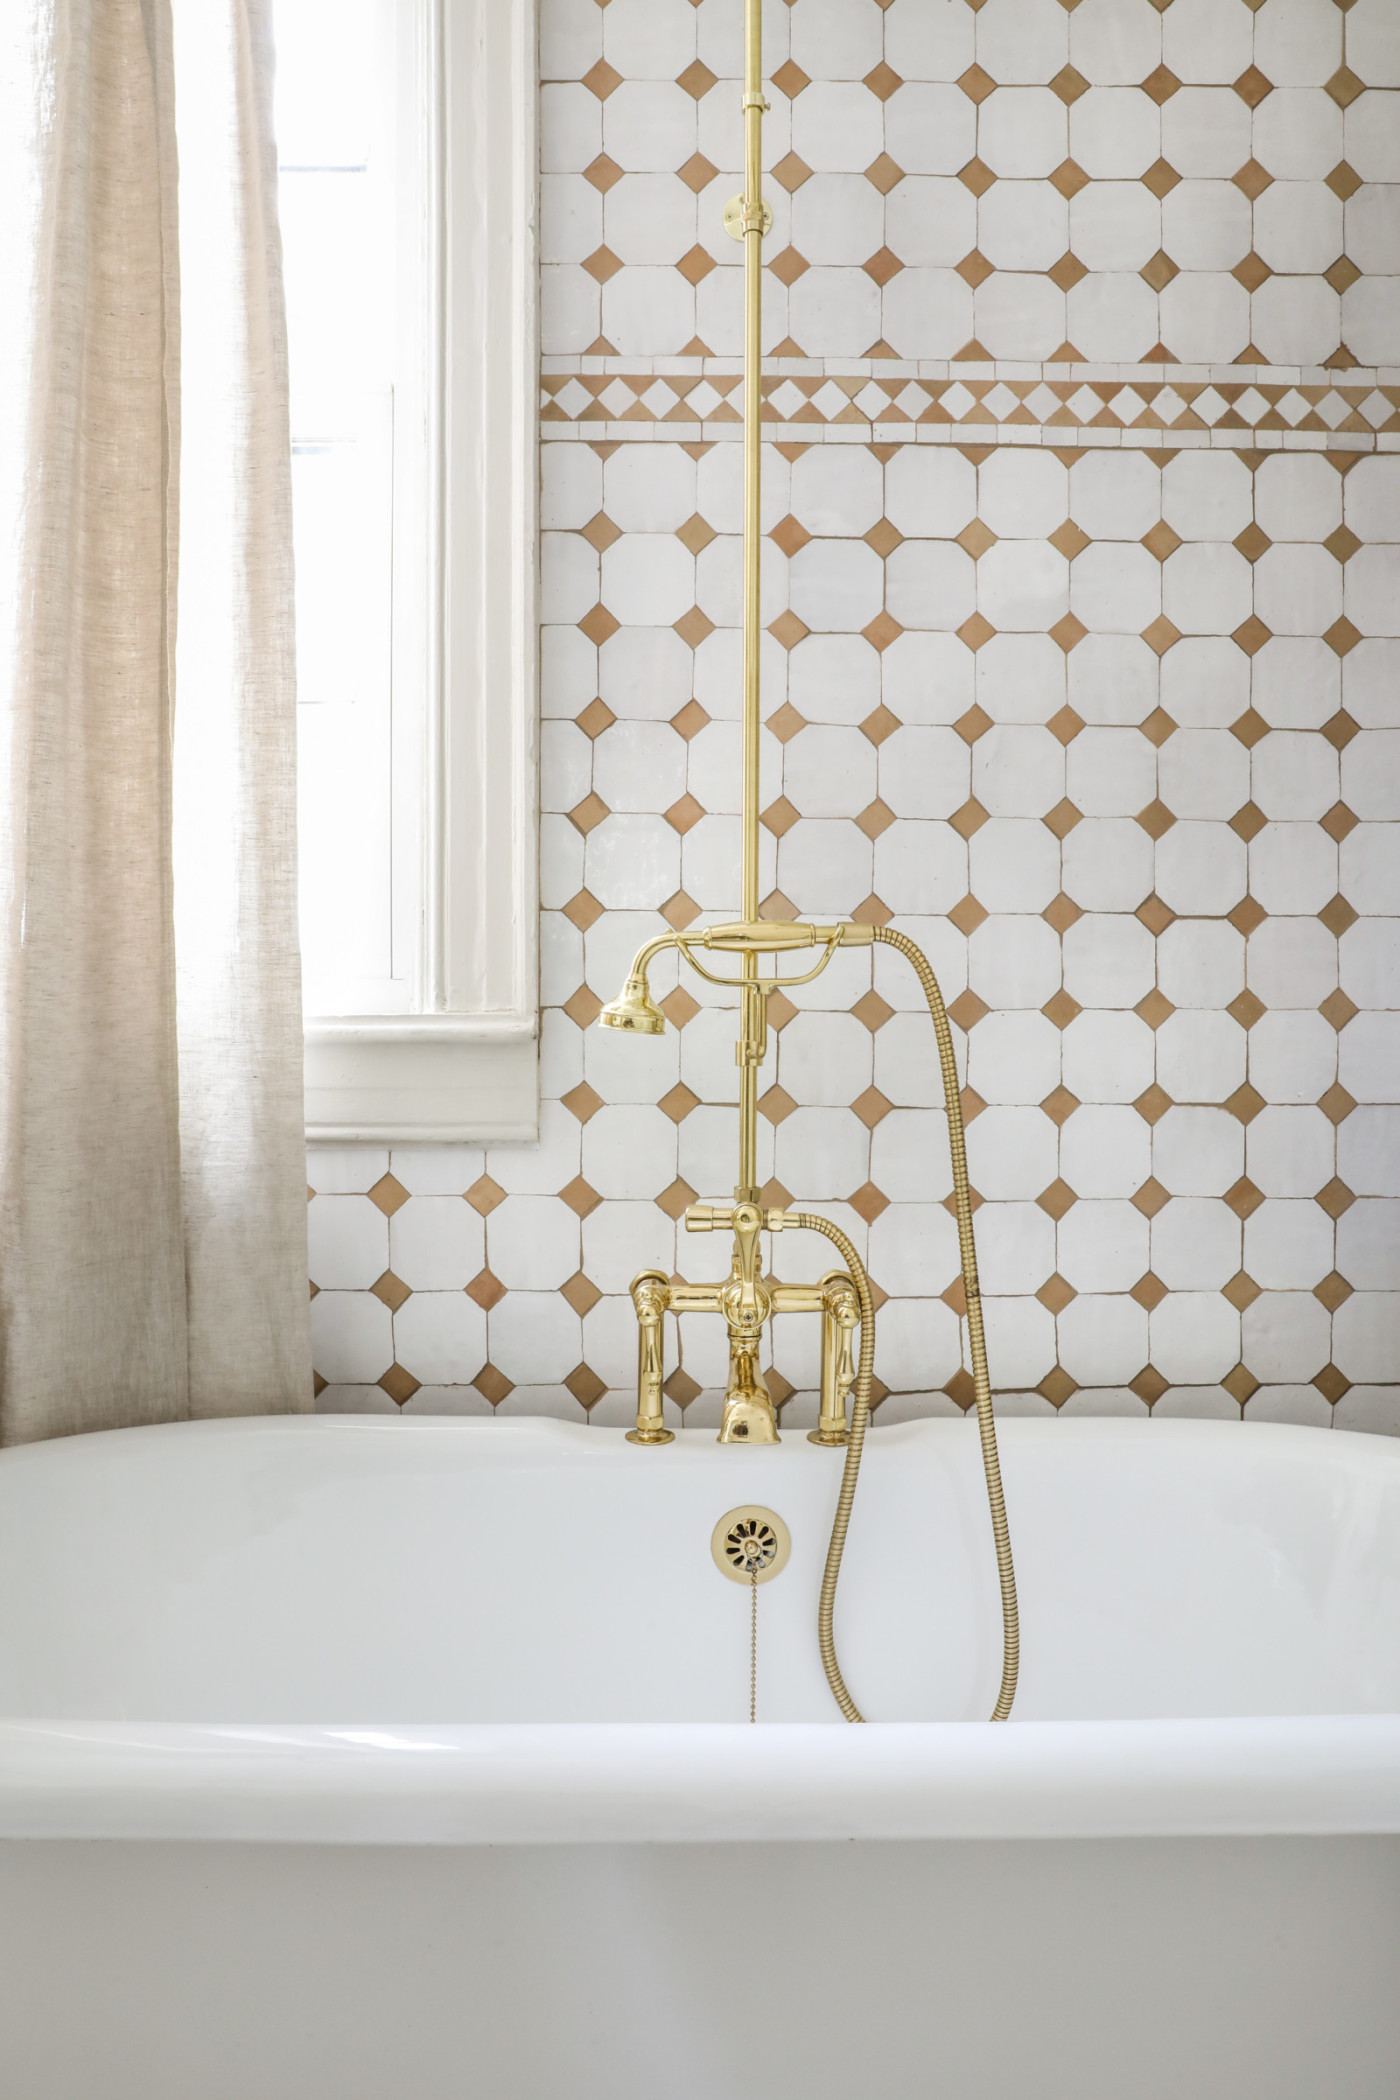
467, 1068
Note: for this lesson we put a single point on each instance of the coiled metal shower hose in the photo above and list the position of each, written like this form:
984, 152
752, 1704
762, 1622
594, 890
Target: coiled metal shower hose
860, 1411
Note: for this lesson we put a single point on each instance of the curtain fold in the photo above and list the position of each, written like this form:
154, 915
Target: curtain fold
152, 1199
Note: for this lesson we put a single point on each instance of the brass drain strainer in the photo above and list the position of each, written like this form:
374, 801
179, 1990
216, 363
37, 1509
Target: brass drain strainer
751, 1544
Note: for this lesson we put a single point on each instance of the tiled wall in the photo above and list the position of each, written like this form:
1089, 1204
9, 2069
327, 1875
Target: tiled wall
1082, 589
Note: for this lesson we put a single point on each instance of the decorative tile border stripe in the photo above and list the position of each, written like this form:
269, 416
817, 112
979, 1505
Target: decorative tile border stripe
1233, 409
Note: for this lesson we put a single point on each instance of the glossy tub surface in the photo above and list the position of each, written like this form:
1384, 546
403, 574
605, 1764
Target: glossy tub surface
347, 1756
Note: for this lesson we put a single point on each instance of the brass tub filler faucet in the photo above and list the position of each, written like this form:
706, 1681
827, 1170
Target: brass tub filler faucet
841, 1297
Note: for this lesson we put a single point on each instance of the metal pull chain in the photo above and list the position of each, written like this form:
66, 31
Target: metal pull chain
753, 1647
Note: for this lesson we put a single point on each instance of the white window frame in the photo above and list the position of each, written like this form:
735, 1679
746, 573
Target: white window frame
465, 1067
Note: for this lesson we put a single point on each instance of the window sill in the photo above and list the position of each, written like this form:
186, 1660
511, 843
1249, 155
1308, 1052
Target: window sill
422, 1079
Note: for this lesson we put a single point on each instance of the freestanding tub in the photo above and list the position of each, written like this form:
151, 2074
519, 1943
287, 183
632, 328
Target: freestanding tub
351, 1759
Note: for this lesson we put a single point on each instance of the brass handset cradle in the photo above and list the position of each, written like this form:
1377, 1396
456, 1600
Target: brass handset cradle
842, 1298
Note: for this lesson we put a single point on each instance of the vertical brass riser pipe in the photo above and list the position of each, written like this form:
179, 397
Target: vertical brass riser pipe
750, 1028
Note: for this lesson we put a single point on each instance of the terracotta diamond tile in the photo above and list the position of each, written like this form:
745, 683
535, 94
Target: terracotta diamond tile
776, 1105
1057, 1199
678, 1103
580, 1294
1149, 1385
1161, 635
493, 1385
602, 173
1339, 822
694, 627
586, 1386
883, 538
676, 1200
680, 911
955, 1297
779, 817
1343, 87
960, 1390
388, 1195
682, 1388
788, 266
881, 631
786, 723
697, 80
1069, 539
971, 1104
1160, 85
318, 1384
696, 534
1158, 727
1338, 916
1344, 182
789, 536
967, 1010
1069, 179
486, 1290
974, 539
1065, 725
1059, 1105
871, 1107
1061, 1008
872, 1011
1155, 1008
790, 172
485, 1195
1240, 1384
596, 717
1337, 1104
781, 1009
1161, 178
1332, 1384
972, 725
697, 173
602, 265
583, 911
1333, 1291
773, 1195
976, 631
879, 725
680, 1007
868, 1202
1057, 1386
1067, 272
883, 81
1055, 1293
1241, 1291
391, 1290
1253, 542
581, 1199
872, 912
1243, 1197
1338, 1010
399, 1384
790, 80
976, 84
1061, 913
1342, 637
787, 631
1248, 822
587, 815
884, 174
600, 532
974, 269
1149, 1291
582, 1101
691, 719
1069, 84
1342, 274
1252, 86
1246, 1008
1156, 820
1158, 271
1153, 1104
1062, 818
776, 906
1150, 1198
1252, 179
950, 1203
599, 625
976, 176
1245, 1103
1161, 541
1342, 543
971, 817
1155, 915
1247, 916
967, 915
601, 80
1251, 271
876, 819
684, 815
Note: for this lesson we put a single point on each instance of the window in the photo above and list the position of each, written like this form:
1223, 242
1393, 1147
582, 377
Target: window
406, 150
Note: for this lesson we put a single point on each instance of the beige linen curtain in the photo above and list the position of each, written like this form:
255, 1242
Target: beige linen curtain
152, 1182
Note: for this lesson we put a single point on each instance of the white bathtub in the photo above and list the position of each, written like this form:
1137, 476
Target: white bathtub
349, 1759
